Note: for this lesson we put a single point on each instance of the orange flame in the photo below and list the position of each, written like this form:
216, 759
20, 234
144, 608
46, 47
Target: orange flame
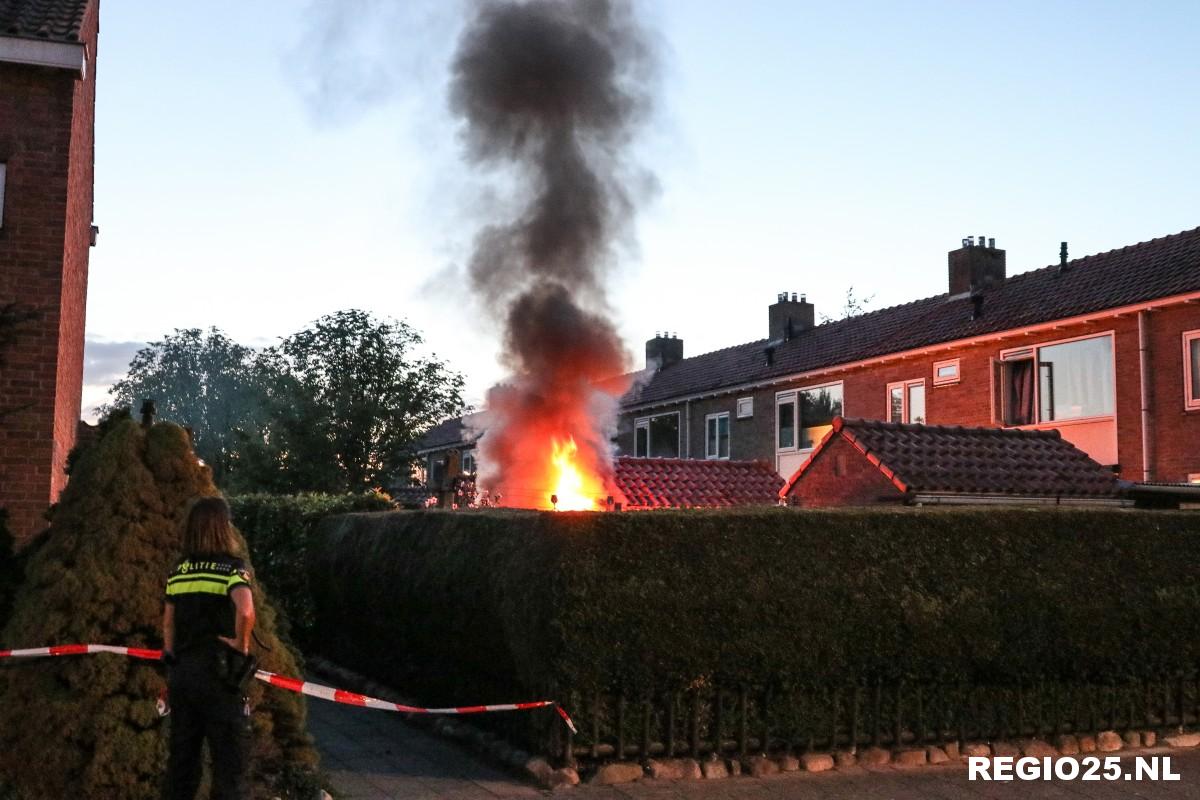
572, 490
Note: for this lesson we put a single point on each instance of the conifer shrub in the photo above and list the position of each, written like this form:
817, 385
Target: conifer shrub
86, 726
278, 530
9, 571
493, 606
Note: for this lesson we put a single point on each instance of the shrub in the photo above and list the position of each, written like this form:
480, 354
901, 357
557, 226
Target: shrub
86, 726
9, 571
491, 606
278, 529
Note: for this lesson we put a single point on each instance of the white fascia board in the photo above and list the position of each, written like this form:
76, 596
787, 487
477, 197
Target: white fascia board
58, 55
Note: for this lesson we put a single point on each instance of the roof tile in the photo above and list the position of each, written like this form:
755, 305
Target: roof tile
51, 20
1162, 267
682, 483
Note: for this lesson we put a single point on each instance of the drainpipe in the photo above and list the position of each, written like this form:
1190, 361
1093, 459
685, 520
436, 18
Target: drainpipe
1144, 369
687, 427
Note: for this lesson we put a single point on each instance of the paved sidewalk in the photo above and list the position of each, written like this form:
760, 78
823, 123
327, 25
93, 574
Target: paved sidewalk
374, 755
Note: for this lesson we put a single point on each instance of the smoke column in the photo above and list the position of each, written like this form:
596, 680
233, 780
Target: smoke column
551, 93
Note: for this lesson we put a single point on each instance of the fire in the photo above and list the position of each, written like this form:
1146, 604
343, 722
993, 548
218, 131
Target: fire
570, 489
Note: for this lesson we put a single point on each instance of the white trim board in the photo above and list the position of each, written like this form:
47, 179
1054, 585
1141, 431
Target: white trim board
59, 55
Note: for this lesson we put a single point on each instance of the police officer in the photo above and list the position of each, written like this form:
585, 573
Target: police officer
207, 624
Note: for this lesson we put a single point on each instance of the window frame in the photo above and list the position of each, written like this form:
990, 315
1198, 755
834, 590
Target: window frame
1030, 352
950, 362
644, 422
1190, 403
782, 398
749, 401
904, 387
709, 455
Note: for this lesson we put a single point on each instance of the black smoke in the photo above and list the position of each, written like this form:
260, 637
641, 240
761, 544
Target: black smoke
551, 95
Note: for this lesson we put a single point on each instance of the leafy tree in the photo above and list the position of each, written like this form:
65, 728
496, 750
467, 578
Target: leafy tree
86, 726
205, 381
348, 399
853, 307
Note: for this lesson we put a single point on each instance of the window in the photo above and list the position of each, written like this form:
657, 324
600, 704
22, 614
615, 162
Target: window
3, 170
468, 464
745, 407
803, 417
716, 435
1191, 370
906, 401
945, 373
657, 437
1058, 381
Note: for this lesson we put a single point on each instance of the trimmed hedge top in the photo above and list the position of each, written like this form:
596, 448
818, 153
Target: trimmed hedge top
492, 602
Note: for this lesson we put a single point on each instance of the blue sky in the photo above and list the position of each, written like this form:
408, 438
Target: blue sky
261, 164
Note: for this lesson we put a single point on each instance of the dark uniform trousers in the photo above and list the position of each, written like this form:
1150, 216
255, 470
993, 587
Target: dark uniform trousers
203, 707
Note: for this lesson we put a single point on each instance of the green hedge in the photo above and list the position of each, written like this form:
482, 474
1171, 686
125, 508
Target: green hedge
278, 529
10, 572
460, 606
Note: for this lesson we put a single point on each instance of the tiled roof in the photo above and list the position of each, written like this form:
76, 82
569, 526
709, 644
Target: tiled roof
941, 459
1159, 268
680, 483
51, 20
444, 434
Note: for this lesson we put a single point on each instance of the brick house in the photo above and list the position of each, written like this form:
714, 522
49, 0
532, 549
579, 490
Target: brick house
47, 114
872, 462
1103, 349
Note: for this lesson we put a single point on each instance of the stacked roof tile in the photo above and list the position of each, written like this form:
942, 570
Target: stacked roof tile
679, 483
50, 20
1147, 271
951, 459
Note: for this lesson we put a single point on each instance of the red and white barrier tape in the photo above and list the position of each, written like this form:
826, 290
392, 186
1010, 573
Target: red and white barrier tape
293, 684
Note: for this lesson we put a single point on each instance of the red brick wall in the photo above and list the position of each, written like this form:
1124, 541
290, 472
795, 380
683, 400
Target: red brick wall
842, 476
1176, 433
46, 140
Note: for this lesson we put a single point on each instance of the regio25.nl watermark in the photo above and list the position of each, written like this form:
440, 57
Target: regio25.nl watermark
1088, 768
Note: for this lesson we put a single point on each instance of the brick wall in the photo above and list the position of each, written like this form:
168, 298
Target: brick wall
46, 139
842, 476
969, 402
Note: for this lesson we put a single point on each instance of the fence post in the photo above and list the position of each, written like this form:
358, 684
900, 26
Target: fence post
855, 702
877, 733
647, 713
694, 725
669, 724
621, 727
718, 746
743, 721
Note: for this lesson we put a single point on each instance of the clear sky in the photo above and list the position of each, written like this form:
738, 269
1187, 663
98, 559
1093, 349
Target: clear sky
261, 164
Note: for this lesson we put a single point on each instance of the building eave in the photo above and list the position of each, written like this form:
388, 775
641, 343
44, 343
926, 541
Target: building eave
969, 499
899, 355
71, 56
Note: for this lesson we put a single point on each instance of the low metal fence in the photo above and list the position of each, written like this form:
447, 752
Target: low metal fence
731, 721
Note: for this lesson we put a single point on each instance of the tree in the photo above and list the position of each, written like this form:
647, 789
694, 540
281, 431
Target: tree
348, 399
854, 307
202, 380
85, 726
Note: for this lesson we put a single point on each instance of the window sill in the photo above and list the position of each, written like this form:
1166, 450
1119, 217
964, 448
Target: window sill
1039, 426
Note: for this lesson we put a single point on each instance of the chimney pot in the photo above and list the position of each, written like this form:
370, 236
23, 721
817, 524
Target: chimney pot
788, 317
975, 268
991, 244
663, 351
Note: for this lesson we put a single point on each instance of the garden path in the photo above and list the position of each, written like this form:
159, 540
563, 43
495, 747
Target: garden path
373, 755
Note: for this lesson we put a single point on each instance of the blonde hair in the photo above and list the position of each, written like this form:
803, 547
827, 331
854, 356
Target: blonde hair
209, 529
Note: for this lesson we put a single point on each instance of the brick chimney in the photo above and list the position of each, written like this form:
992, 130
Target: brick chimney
976, 266
789, 317
664, 350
